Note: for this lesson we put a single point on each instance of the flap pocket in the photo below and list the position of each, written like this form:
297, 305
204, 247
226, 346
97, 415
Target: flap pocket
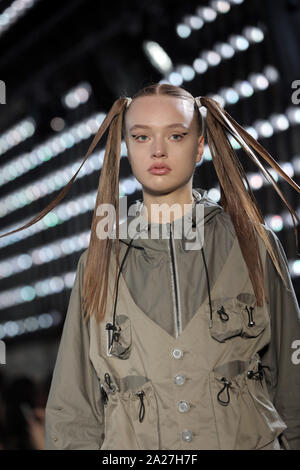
237, 316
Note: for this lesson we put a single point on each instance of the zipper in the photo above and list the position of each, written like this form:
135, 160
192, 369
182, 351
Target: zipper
175, 289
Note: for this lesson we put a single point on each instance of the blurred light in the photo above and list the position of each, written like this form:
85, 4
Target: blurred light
17, 134
12, 13
276, 223
230, 95
259, 81
238, 42
183, 30
158, 57
255, 181
296, 267
263, 128
49, 149
175, 78
206, 13
218, 98
279, 122
77, 95
253, 34
186, 71
57, 124
214, 194
194, 22
200, 65
244, 88
211, 57
220, 6
293, 114
225, 50
271, 73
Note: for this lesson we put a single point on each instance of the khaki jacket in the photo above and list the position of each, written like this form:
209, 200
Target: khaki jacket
195, 363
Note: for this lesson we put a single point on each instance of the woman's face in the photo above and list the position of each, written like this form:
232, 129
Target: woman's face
162, 129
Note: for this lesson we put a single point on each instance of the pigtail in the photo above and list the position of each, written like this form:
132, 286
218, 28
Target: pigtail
236, 200
95, 284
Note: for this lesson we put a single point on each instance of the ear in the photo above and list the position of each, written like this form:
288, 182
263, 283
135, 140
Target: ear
200, 148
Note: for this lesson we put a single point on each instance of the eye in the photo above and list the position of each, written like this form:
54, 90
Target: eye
137, 137
179, 135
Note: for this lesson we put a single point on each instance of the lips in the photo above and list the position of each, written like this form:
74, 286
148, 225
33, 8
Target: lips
159, 166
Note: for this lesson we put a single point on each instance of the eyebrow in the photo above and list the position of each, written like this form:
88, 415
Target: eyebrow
142, 126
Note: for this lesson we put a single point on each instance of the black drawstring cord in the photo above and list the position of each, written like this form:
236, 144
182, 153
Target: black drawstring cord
258, 375
203, 256
223, 315
112, 326
108, 382
104, 395
251, 322
227, 384
142, 407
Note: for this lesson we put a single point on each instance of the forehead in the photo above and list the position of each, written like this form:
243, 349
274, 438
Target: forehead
159, 111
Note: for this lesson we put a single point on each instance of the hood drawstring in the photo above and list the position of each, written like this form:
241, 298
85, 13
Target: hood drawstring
208, 287
112, 326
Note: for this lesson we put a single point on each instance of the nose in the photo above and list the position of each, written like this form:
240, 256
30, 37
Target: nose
159, 152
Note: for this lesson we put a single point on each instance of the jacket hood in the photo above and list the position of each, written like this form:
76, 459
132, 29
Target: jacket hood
141, 233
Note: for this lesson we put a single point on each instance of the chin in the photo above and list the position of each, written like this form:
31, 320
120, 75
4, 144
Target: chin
159, 189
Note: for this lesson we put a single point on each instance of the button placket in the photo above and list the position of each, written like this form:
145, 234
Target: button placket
182, 406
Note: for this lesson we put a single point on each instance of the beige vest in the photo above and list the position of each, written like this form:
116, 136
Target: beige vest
202, 390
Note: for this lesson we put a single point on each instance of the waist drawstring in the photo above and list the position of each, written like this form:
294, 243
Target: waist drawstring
258, 375
227, 384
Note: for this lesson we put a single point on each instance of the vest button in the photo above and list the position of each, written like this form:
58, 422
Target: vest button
187, 435
183, 406
177, 353
179, 379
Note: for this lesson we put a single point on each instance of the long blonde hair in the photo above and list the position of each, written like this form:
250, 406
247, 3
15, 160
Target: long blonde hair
235, 199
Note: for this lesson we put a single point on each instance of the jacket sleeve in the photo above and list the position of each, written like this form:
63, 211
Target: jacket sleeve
74, 409
282, 356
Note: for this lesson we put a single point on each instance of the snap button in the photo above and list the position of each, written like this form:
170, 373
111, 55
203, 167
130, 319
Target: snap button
55, 439
187, 435
179, 379
183, 406
177, 353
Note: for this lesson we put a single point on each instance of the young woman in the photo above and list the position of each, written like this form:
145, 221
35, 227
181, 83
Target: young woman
179, 346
